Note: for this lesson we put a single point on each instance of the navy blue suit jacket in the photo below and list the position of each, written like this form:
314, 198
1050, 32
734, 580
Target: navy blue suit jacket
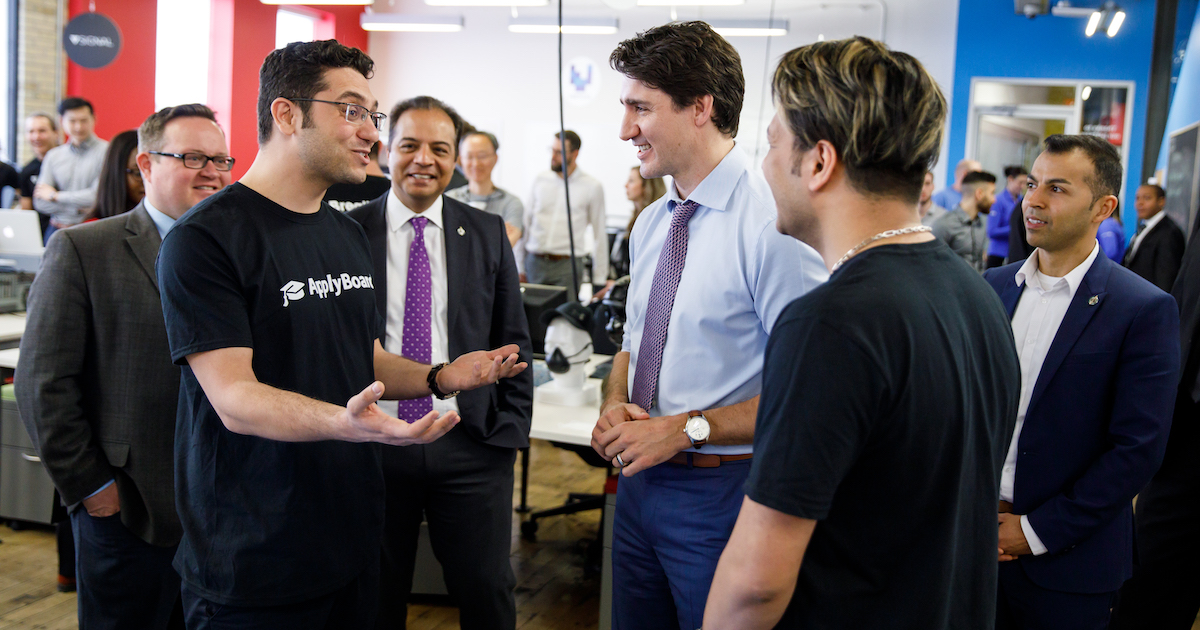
484, 310
1096, 426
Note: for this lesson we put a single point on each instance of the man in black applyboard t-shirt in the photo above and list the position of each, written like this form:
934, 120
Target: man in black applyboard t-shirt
269, 302
889, 392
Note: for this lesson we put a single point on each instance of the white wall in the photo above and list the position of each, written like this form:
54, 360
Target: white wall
507, 83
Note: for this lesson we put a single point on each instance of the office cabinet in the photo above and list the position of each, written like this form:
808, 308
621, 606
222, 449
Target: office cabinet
26, 492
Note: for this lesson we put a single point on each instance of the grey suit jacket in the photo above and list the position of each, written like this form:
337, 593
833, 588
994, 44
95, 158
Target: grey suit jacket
95, 384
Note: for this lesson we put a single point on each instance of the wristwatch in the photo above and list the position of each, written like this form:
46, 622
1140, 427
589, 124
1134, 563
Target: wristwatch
696, 428
433, 386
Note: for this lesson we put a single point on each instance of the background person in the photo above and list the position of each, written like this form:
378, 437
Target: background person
1000, 215
1156, 250
41, 132
642, 192
949, 196
120, 188
478, 154
67, 181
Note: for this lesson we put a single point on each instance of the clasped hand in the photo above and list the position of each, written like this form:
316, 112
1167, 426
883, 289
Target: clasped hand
642, 444
1012, 537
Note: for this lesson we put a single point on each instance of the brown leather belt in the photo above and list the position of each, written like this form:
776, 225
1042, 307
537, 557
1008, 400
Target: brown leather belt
705, 460
1005, 507
551, 257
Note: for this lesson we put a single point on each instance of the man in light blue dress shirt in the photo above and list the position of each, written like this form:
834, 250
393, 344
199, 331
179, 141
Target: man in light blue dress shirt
704, 295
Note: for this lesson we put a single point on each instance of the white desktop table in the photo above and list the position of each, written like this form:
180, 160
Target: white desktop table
12, 326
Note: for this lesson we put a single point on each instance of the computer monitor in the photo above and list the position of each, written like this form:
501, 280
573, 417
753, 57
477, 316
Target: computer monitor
538, 299
20, 240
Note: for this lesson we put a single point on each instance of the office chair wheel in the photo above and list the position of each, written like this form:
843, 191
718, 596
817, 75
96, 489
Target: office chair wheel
529, 530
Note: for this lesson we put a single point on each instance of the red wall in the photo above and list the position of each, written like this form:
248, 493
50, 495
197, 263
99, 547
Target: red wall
243, 33
123, 91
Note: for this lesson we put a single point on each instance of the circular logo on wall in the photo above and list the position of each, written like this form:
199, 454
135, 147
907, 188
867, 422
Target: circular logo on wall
581, 81
92, 40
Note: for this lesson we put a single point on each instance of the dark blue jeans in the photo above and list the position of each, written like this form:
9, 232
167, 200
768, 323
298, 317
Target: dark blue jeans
123, 581
670, 527
1023, 605
350, 608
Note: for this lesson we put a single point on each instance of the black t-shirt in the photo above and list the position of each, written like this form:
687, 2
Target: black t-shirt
28, 177
350, 196
9, 177
268, 522
889, 398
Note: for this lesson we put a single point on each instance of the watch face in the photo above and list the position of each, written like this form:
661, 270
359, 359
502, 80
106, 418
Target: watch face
697, 429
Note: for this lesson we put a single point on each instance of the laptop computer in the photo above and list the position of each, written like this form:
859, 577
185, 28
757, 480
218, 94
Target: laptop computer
20, 240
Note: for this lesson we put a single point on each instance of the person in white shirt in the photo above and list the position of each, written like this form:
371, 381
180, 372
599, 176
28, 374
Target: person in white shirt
544, 252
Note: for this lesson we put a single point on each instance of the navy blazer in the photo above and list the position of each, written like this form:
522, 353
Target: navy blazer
484, 311
1096, 426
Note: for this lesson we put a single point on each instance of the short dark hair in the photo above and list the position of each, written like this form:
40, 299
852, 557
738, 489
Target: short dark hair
486, 134
573, 139
298, 70
687, 60
74, 102
48, 117
976, 177
150, 133
112, 191
1106, 162
428, 103
1014, 171
857, 95
1158, 190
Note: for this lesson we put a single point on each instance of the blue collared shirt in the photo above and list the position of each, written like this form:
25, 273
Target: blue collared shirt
947, 197
739, 276
163, 222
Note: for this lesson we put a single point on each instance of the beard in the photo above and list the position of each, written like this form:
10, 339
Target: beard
325, 160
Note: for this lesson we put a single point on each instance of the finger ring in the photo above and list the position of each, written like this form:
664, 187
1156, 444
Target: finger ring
618, 461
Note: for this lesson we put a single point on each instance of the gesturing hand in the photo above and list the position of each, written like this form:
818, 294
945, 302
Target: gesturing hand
479, 368
368, 423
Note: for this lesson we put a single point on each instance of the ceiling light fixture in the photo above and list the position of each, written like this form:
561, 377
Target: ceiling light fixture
571, 26
1118, 19
410, 23
750, 28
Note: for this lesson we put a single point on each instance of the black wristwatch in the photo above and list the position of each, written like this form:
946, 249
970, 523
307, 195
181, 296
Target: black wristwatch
433, 386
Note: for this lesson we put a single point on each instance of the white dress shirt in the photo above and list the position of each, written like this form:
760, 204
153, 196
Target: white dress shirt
1039, 313
1140, 236
400, 238
546, 225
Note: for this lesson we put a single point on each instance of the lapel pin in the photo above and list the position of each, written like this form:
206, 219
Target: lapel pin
461, 232
1092, 301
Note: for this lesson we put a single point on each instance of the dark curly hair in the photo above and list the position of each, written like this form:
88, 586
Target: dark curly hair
687, 60
298, 70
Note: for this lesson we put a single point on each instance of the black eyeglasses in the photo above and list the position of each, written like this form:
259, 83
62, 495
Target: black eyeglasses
354, 113
198, 161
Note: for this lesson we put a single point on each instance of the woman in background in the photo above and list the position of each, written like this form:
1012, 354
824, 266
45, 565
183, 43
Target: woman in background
120, 187
642, 192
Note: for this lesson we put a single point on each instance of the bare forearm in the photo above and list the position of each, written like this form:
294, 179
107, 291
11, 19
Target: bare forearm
732, 424
402, 378
617, 389
253, 408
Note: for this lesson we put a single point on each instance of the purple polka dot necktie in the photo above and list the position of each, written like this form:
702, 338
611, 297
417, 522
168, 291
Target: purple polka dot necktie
658, 309
418, 313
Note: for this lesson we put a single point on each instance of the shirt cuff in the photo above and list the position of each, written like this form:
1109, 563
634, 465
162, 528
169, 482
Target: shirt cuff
1031, 537
102, 489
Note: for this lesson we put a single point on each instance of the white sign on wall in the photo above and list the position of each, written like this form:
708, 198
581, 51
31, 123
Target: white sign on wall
581, 81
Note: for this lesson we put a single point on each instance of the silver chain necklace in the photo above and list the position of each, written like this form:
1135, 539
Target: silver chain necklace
886, 234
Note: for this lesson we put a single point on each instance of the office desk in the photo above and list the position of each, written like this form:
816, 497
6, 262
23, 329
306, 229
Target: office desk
12, 326
8, 358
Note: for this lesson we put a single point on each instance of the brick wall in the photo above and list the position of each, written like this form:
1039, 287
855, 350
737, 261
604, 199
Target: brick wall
39, 83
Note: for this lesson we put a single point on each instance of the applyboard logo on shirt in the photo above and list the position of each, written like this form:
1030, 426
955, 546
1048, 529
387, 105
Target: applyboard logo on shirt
323, 287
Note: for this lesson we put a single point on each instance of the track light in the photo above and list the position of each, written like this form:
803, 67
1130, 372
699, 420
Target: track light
1093, 22
1118, 19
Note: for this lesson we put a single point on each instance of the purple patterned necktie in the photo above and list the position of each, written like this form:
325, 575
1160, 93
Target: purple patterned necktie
658, 309
418, 313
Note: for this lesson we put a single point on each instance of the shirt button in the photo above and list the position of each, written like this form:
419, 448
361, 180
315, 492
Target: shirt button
1044, 301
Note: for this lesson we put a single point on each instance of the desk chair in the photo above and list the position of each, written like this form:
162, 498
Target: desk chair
580, 502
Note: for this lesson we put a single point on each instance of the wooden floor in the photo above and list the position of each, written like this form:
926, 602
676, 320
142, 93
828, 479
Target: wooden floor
553, 592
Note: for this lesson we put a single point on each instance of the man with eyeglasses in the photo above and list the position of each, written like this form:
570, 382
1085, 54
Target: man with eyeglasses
96, 387
269, 301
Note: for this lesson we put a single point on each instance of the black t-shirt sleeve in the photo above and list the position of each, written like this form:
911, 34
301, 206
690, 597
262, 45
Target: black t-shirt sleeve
8, 176
28, 176
814, 416
203, 303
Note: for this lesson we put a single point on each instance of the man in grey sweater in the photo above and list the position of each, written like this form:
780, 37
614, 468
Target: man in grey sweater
66, 187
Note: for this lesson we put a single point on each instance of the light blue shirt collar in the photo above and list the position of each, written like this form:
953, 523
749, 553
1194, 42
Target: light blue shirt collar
161, 221
717, 188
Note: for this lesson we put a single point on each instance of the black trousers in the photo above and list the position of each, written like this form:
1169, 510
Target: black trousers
123, 581
1164, 592
994, 261
464, 490
351, 607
